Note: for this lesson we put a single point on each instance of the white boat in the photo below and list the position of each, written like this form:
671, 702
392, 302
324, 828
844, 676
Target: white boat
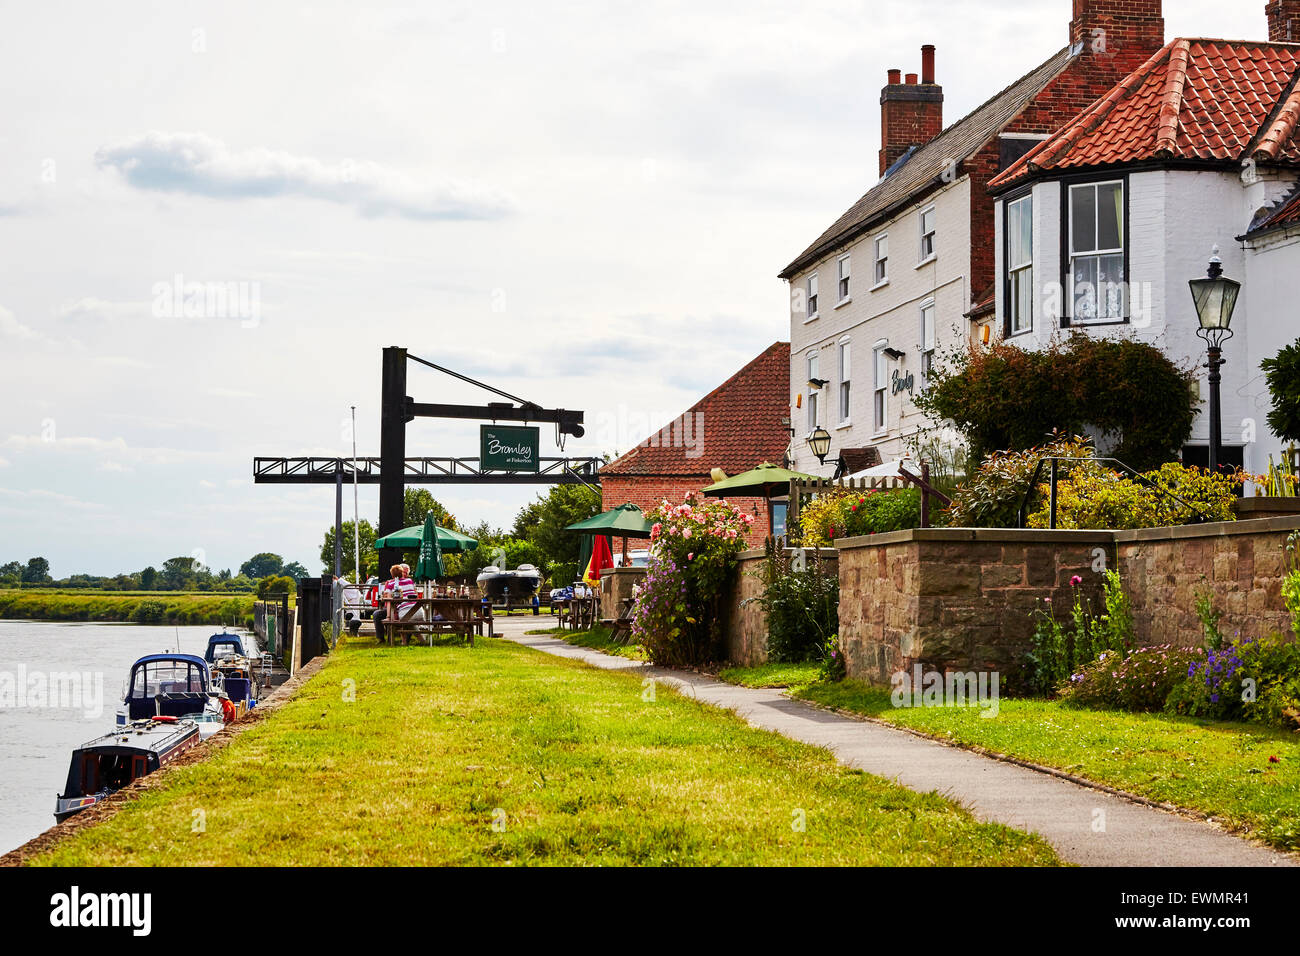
498, 584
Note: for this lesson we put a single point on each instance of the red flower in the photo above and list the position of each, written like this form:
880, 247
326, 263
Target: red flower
1273, 758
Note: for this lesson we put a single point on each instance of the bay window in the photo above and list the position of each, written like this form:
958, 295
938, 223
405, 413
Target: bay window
1096, 260
1019, 231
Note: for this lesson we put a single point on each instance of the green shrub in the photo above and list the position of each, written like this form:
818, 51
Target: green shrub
845, 513
1005, 397
1140, 682
149, 612
1091, 496
1282, 373
802, 604
991, 496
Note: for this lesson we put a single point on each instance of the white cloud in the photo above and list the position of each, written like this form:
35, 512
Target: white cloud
201, 165
114, 453
40, 495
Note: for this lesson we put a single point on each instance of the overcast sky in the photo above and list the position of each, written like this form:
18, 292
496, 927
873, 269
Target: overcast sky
585, 204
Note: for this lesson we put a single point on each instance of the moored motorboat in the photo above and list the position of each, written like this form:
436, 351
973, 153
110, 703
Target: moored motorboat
232, 670
108, 763
169, 685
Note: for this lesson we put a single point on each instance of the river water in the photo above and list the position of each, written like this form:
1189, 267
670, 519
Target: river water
43, 718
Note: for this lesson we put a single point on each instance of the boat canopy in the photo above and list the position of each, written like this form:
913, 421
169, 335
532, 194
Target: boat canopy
170, 684
218, 645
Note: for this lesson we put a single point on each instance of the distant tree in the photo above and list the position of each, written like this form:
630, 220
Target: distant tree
416, 503
543, 521
1282, 372
178, 573
262, 565
36, 572
294, 570
276, 584
11, 573
149, 578
369, 558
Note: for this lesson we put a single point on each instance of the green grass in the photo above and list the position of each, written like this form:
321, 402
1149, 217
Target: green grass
597, 639
1221, 769
180, 607
773, 675
571, 763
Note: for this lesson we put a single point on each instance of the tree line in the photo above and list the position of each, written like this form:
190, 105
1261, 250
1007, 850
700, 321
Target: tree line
174, 574
536, 537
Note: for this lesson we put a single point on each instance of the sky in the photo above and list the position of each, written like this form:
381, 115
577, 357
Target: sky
583, 204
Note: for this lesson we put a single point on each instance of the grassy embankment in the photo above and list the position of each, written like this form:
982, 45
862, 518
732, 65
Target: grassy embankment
498, 754
141, 607
1221, 769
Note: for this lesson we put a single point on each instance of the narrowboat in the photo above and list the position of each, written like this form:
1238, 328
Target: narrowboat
108, 763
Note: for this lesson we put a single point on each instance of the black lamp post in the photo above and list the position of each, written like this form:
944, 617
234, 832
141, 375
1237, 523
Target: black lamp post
1215, 297
820, 443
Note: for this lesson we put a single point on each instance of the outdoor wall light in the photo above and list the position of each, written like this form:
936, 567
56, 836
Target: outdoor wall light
819, 441
894, 353
816, 383
1215, 297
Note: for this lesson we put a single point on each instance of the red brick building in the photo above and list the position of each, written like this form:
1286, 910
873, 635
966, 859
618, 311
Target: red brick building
737, 426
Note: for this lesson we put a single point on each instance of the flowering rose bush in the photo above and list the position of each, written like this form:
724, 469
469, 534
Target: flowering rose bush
693, 548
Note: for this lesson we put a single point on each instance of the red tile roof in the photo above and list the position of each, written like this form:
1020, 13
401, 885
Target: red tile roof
1196, 100
1282, 215
740, 422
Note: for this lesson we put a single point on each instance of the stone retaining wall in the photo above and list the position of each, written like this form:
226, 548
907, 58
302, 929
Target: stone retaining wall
963, 599
615, 585
1240, 564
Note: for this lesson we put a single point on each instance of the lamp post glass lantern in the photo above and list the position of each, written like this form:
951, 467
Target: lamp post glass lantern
820, 443
1215, 297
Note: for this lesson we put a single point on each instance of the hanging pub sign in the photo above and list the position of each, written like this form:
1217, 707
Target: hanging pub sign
508, 447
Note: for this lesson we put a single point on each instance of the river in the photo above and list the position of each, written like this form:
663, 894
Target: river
37, 736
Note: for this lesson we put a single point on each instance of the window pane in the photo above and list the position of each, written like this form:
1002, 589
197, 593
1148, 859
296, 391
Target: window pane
844, 363
844, 268
880, 408
1020, 232
812, 367
1083, 218
1085, 288
812, 285
1110, 215
1022, 292
1111, 286
927, 328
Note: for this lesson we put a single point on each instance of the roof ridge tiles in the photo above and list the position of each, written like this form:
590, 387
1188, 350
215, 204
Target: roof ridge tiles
1283, 126
1171, 104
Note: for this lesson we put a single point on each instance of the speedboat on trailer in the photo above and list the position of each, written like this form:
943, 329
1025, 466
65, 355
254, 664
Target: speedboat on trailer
108, 763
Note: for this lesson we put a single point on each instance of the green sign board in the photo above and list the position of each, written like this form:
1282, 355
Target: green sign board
508, 447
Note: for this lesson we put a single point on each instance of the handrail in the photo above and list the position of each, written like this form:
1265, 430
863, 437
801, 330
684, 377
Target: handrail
1022, 513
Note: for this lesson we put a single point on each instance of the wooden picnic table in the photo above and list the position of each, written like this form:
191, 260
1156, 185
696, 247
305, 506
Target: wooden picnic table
578, 614
459, 615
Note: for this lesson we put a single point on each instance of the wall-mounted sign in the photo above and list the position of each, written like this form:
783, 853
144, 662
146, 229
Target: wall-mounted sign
902, 383
508, 447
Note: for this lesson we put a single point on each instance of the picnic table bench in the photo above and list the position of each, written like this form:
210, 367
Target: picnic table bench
443, 616
620, 627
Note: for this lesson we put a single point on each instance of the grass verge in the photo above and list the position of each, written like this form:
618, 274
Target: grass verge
597, 639
1225, 770
501, 755
773, 675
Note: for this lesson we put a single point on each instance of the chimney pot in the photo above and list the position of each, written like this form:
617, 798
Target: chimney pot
927, 63
895, 77
911, 79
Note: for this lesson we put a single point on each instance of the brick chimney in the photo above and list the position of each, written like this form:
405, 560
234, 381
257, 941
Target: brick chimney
911, 110
1121, 33
1283, 21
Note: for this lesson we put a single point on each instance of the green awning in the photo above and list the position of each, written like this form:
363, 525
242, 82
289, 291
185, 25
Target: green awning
625, 521
765, 481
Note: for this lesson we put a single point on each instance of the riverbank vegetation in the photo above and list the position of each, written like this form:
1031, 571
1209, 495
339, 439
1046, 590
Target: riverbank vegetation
500, 755
139, 607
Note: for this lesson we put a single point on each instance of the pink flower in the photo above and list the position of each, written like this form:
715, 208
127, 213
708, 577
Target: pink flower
691, 556
1076, 581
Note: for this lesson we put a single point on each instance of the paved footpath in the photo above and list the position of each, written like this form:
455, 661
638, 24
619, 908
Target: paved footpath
1061, 812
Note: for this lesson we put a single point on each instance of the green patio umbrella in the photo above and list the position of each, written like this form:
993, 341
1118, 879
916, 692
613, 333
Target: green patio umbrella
429, 567
625, 521
765, 481
408, 539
